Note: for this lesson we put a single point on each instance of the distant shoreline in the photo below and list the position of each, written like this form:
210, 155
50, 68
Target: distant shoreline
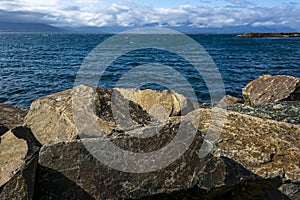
265, 35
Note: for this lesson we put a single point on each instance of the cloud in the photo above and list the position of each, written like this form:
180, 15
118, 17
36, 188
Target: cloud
130, 14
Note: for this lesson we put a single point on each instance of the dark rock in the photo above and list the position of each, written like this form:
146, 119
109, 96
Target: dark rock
288, 111
3, 129
22, 185
264, 35
69, 171
11, 116
272, 89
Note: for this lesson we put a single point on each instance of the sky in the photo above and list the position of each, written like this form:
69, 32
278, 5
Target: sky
137, 13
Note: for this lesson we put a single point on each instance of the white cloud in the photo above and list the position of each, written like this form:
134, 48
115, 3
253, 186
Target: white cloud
128, 13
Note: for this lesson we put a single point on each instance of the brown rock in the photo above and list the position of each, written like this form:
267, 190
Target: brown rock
229, 100
18, 163
69, 171
160, 104
11, 116
52, 118
272, 89
265, 147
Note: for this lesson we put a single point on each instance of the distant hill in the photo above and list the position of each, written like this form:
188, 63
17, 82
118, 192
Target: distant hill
184, 29
28, 27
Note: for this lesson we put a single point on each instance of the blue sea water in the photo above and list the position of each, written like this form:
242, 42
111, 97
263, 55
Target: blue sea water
33, 65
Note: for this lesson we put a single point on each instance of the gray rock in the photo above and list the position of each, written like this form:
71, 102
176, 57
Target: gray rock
69, 171
272, 89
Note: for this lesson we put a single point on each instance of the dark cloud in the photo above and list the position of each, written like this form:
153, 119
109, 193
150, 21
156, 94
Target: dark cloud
130, 14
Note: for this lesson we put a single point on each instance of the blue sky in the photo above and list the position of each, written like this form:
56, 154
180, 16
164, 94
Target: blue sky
132, 13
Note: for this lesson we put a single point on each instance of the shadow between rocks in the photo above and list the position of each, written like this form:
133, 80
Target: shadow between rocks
62, 189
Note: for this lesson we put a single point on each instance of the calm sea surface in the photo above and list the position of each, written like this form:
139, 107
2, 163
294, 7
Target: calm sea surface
35, 65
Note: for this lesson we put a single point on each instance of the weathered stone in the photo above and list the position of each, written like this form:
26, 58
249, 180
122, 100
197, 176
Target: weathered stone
272, 89
11, 116
160, 104
288, 111
266, 147
18, 161
69, 171
291, 189
22, 185
229, 100
52, 118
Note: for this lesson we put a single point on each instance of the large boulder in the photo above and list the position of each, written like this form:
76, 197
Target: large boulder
52, 118
18, 161
160, 104
268, 148
269, 88
69, 171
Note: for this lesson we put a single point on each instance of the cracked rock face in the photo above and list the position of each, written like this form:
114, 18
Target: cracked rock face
52, 118
272, 89
69, 171
160, 104
18, 161
266, 147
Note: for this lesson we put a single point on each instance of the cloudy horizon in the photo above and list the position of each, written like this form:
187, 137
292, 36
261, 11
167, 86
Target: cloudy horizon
129, 13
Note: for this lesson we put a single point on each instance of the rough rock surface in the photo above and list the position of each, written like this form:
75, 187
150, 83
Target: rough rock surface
265, 147
288, 111
160, 104
272, 89
69, 171
229, 100
22, 185
18, 161
52, 118
11, 116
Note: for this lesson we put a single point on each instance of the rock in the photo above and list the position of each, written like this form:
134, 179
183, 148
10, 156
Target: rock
69, 171
11, 116
272, 89
3, 129
160, 104
291, 189
288, 111
22, 185
52, 118
229, 100
18, 161
265, 147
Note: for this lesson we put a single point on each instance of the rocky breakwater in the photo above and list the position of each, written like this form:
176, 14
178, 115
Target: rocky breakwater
256, 156
267, 35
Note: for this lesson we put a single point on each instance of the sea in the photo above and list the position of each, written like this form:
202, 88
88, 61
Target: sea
34, 65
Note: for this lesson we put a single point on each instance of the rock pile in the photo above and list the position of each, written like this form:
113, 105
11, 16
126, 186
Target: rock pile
51, 151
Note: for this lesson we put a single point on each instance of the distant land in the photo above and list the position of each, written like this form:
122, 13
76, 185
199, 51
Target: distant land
28, 27
37, 27
264, 35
